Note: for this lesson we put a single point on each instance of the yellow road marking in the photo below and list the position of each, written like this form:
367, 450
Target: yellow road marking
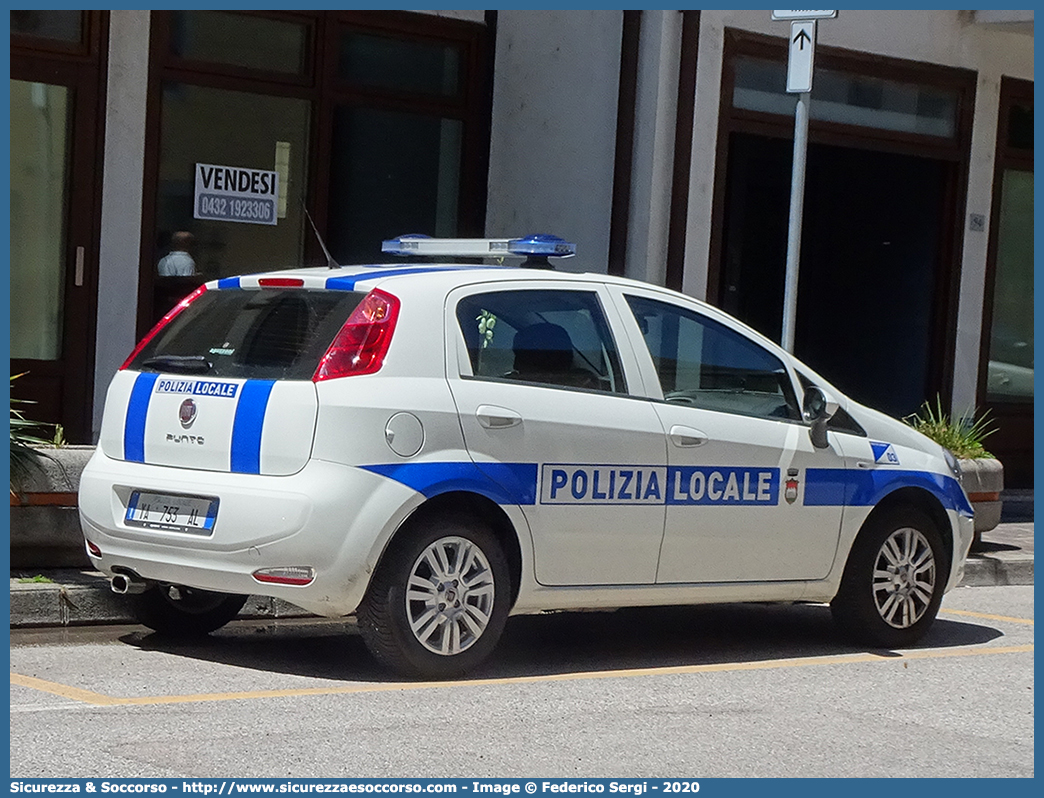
63, 690
97, 699
989, 617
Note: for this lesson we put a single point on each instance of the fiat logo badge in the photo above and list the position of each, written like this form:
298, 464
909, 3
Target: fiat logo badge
187, 413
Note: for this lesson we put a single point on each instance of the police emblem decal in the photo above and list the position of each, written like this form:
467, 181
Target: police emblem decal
790, 487
187, 413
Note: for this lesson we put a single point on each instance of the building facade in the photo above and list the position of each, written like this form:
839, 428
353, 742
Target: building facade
659, 141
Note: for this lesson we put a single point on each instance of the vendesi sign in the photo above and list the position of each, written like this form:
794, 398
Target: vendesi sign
235, 194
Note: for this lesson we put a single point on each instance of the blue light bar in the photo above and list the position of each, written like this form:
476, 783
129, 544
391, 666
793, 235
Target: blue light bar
534, 246
442, 247
542, 245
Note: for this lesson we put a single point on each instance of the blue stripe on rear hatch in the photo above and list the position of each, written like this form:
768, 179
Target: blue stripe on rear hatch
348, 283
247, 426
228, 282
137, 410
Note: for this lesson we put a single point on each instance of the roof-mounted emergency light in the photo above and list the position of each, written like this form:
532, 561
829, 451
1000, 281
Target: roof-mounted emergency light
536, 248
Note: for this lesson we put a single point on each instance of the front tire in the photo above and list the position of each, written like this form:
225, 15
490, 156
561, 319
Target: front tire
439, 601
893, 583
178, 611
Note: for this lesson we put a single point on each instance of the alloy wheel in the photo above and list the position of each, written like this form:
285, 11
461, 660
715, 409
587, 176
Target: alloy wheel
904, 578
449, 596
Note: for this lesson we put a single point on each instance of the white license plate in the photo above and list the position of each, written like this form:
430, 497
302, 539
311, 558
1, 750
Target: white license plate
172, 513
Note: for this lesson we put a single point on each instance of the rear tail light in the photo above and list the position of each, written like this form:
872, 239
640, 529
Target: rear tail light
363, 341
174, 311
92, 548
286, 575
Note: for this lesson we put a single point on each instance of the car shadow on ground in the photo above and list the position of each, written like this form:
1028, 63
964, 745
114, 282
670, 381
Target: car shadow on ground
562, 643
985, 547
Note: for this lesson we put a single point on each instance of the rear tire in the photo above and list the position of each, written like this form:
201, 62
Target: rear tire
177, 611
439, 600
893, 581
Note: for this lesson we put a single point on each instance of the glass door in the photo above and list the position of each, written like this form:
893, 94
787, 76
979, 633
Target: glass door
229, 129
55, 74
1006, 359
40, 121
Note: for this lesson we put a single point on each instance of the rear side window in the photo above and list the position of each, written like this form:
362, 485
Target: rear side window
250, 334
547, 337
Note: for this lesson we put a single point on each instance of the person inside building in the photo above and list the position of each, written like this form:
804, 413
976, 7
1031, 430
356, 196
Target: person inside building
178, 262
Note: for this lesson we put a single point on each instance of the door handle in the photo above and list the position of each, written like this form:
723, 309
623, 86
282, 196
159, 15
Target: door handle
687, 437
78, 276
492, 417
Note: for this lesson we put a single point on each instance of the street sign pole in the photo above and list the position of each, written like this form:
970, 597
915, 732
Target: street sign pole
799, 81
797, 205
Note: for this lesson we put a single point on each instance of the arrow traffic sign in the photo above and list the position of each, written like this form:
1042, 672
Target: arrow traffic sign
802, 50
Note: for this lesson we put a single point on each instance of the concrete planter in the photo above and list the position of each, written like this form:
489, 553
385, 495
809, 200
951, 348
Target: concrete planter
45, 523
983, 481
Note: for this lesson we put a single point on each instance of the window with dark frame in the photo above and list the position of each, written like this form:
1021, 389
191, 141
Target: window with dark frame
1009, 330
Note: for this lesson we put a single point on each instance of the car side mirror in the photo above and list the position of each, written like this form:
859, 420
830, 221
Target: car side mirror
818, 407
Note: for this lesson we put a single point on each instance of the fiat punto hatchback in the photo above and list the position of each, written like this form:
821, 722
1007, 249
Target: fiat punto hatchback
433, 447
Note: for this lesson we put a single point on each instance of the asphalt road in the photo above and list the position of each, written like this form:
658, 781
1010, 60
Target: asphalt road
690, 693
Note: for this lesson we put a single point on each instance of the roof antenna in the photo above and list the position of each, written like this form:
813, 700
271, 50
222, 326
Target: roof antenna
329, 258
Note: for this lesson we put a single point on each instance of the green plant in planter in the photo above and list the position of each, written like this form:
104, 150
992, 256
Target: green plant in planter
963, 435
25, 438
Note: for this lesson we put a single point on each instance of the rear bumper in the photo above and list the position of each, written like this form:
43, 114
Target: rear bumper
332, 517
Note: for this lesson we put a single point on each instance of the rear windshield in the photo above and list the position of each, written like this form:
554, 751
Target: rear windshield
252, 334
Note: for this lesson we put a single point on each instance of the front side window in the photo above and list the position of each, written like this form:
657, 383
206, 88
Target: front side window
552, 338
704, 364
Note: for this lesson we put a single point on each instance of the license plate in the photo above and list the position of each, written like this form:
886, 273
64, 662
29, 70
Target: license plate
172, 513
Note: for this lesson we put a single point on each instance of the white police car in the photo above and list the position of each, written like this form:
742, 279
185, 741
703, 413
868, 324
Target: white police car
434, 447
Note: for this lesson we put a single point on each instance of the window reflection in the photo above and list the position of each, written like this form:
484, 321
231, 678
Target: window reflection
848, 98
39, 154
240, 40
64, 26
404, 65
1010, 369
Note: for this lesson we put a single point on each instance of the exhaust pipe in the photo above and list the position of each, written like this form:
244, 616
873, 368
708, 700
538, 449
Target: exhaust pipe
124, 584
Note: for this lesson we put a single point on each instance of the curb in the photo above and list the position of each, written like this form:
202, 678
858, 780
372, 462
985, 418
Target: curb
991, 571
90, 601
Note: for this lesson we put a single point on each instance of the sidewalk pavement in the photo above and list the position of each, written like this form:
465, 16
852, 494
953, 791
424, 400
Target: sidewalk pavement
72, 597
